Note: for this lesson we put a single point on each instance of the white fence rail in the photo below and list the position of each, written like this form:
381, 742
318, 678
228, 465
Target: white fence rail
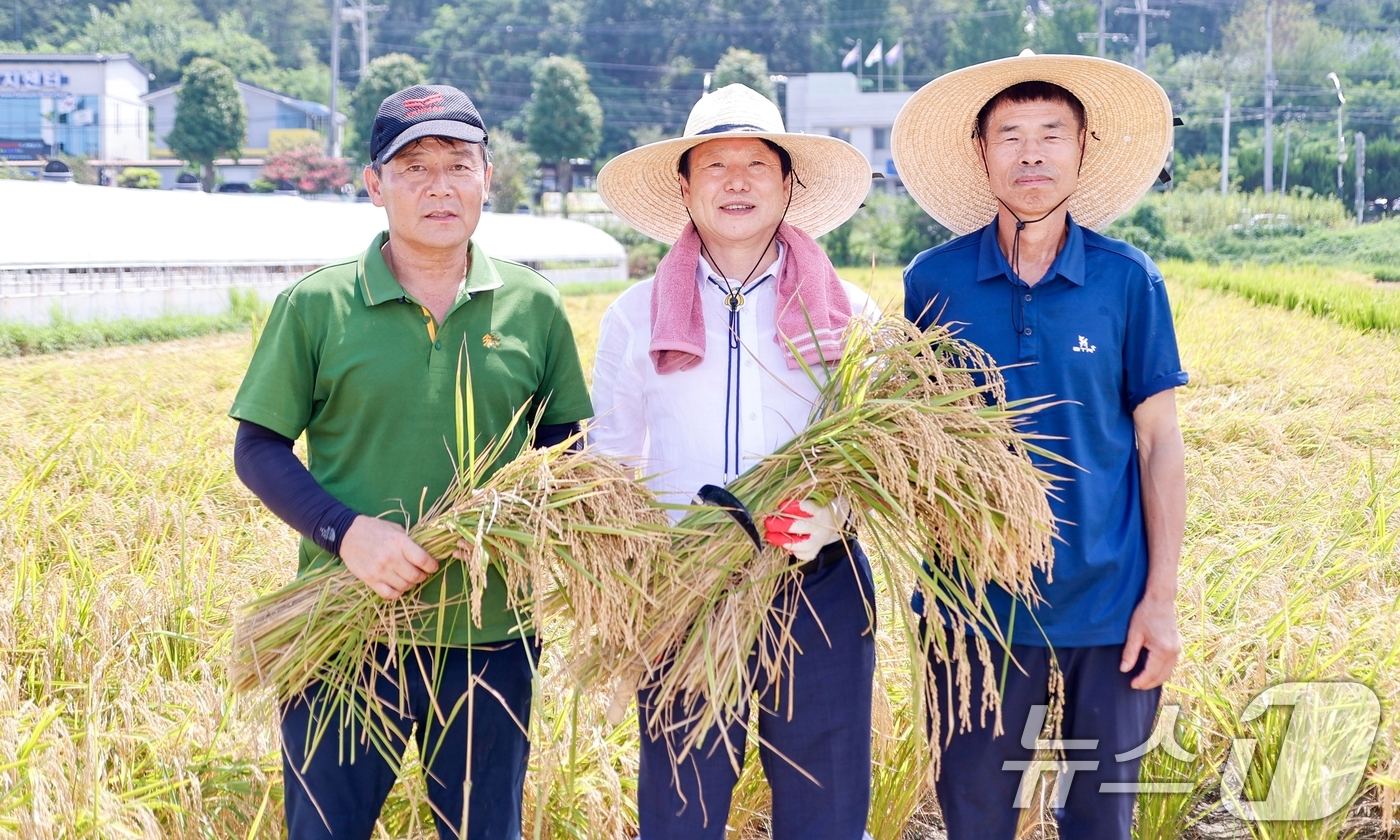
34, 294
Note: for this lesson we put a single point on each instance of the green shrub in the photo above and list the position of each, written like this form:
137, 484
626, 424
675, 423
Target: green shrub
10, 172
246, 310
891, 228
1386, 274
643, 252
139, 178
1187, 212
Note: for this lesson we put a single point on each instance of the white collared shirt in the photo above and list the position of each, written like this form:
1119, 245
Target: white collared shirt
672, 427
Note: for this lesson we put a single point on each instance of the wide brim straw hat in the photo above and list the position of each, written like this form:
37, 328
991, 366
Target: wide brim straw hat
642, 186
1129, 135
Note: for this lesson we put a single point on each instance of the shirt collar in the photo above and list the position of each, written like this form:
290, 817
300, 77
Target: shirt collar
378, 284
1069, 263
704, 271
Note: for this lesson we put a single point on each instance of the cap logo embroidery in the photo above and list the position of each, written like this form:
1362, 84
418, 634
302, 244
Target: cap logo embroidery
414, 107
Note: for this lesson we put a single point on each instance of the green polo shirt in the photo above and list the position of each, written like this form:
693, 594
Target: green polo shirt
351, 359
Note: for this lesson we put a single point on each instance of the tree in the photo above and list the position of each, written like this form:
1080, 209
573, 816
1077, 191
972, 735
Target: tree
210, 117
232, 46
512, 164
156, 32
563, 120
745, 68
385, 75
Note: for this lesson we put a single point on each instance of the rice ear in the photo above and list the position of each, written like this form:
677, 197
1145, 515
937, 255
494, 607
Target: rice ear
911, 428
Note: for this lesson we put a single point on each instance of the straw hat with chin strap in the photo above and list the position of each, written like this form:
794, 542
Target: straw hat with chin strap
1129, 135
642, 185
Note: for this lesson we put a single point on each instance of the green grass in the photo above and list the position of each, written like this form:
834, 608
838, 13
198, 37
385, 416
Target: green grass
16, 339
1346, 297
1192, 213
611, 287
1371, 245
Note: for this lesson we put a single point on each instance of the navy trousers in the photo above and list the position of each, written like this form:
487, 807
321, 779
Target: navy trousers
820, 721
474, 751
981, 775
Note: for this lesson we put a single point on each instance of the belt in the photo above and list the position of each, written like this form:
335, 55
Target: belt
841, 550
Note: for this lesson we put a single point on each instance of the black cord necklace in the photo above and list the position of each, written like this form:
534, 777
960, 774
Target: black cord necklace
733, 302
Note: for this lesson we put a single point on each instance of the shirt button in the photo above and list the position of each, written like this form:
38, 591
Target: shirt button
1028, 297
753, 415
1028, 330
426, 319
437, 345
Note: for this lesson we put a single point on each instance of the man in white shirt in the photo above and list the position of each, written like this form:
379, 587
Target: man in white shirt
702, 371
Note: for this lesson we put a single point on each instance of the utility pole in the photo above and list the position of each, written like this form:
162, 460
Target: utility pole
1225, 149
1341, 140
1287, 136
358, 14
1103, 35
1360, 177
333, 139
1269, 82
1143, 13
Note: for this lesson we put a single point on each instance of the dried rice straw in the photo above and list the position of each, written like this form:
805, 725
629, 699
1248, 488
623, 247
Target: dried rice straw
933, 470
572, 532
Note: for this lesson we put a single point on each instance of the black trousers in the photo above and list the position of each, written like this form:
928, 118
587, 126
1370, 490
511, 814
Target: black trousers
981, 775
474, 752
825, 730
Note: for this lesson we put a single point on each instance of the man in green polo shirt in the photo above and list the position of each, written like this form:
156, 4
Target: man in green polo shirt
363, 356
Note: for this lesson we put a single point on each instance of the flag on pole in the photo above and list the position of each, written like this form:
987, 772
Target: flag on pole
851, 57
895, 54
875, 54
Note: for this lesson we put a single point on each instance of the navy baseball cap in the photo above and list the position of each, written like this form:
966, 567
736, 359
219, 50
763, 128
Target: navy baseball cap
424, 111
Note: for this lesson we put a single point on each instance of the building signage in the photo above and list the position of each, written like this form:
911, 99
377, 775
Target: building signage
32, 80
23, 149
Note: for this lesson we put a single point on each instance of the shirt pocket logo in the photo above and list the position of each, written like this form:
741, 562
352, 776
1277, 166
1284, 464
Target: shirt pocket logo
1084, 346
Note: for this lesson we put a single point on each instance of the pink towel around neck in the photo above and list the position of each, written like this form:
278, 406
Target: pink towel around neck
812, 313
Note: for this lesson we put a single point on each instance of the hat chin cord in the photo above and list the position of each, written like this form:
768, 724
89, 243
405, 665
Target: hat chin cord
1018, 317
1020, 226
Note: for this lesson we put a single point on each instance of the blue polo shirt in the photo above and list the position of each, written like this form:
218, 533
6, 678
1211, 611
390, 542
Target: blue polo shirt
1095, 336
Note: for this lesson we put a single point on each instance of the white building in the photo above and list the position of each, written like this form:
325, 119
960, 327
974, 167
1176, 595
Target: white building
82, 105
832, 104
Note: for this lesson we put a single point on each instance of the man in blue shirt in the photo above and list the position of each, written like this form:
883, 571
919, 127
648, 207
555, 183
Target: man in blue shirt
1027, 156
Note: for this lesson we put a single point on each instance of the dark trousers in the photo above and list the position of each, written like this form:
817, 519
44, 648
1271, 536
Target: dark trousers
820, 722
338, 793
981, 775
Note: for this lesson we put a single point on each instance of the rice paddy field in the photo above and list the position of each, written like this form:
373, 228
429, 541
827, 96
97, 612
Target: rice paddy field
127, 543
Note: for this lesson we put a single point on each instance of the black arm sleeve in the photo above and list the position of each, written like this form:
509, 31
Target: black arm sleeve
264, 460
556, 433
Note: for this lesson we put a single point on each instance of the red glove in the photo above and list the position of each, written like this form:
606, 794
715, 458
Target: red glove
804, 527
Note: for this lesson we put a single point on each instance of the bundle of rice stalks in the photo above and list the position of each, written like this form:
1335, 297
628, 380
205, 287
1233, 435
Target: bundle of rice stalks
934, 472
573, 534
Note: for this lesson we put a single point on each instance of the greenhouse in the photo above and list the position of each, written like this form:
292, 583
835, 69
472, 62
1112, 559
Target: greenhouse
100, 252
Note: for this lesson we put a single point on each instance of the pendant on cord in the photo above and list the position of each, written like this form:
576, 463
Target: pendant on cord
734, 300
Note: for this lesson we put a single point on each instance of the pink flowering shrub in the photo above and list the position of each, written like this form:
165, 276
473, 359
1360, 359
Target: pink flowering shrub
309, 168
